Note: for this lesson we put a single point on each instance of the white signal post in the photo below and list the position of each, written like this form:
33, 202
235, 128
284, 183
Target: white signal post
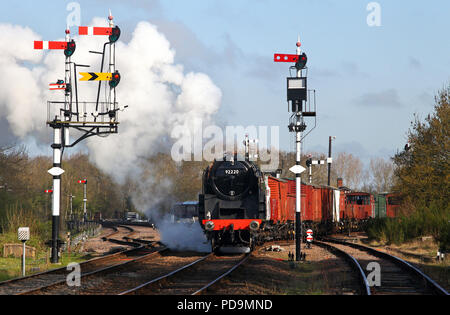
84, 198
112, 66
85, 120
71, 205
67, 93
56, 172
330, 159
310, 162
23, 235
298, 183
297, 95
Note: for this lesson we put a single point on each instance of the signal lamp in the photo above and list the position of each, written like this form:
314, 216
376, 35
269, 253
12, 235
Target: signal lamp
71, 46
114, 37
308, 162
115, 79
301, 63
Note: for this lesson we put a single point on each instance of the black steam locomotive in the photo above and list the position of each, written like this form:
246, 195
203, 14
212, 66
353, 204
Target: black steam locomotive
232, 204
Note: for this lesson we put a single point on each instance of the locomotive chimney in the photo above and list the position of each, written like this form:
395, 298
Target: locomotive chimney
340, 182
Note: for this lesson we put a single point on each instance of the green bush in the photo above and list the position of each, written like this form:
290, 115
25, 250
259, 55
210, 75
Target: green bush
434, 221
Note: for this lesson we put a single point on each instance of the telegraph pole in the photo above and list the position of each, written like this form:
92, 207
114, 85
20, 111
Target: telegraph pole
297, 96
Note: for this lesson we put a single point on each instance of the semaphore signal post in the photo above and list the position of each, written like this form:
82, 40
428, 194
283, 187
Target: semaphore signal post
89, 118
298, 96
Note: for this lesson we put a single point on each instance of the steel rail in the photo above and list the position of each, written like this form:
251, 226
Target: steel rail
62, 270
98, 271
137, 240
431, 284
363, 282
164, 277
218, 279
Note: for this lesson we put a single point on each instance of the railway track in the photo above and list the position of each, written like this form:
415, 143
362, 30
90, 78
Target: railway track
29, 283
94, 282
192, 279
398, 277
159, 272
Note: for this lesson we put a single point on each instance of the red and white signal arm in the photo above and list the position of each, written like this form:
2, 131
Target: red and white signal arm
82, 181
49, 191
57, 86
309, 238
90, 30
42, 44
285, 58
309, 232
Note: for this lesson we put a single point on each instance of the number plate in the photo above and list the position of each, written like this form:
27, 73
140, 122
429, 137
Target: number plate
232, 172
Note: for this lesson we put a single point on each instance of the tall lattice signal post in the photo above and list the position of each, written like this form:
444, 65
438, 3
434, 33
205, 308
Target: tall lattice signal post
89, 118
299, 98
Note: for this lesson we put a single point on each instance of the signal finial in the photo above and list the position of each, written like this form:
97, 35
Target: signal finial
299, 44
111, 18
67, 33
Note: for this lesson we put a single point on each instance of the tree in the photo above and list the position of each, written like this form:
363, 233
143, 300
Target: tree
423, 168
381, 174
350, 169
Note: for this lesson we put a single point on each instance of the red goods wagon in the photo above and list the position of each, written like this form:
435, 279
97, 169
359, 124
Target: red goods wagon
283, 202
275, 200
291, 198
291, 208
326, 204
279, 203
316, 210
342, 204
307, 206
308, 202
393, 202
273, 210
359, 206
306, 210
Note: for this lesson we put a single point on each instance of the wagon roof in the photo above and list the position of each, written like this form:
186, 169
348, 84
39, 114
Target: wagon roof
358, 193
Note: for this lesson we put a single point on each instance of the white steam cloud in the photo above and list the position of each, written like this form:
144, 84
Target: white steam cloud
183, 236
160, 96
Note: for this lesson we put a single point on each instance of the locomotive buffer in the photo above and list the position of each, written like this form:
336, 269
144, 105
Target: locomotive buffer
298, 96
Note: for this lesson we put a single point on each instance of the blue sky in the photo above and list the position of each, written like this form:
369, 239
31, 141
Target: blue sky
370, 80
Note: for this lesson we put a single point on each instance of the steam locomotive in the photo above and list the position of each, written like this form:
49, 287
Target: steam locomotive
233, 204
241, 206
